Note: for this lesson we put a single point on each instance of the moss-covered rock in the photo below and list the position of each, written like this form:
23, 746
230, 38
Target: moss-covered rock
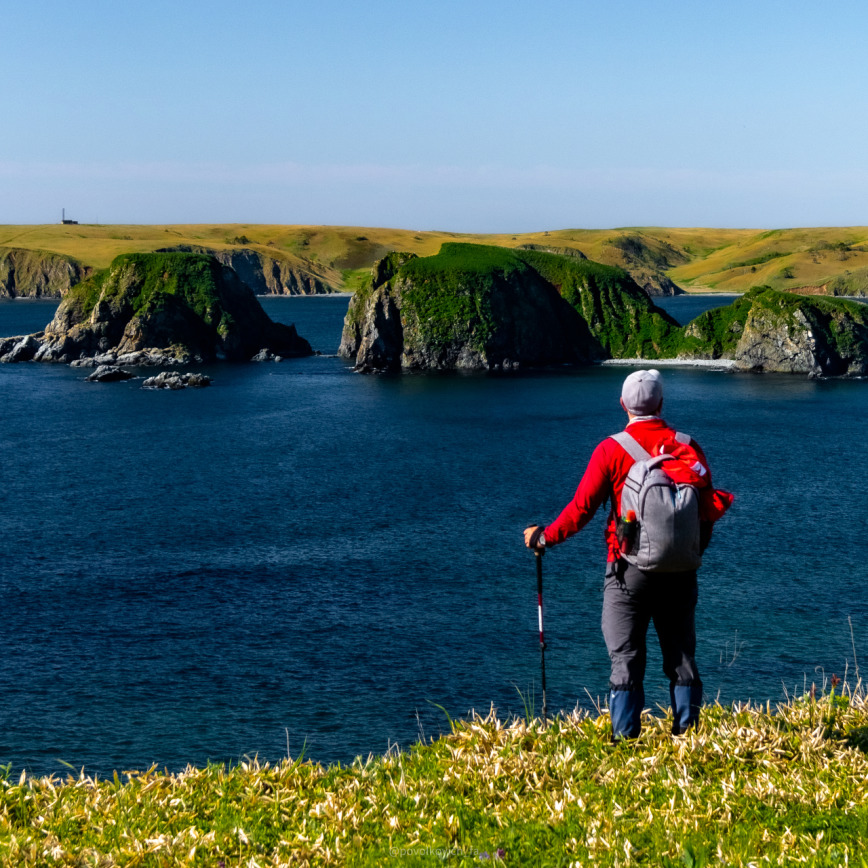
769, 330
798, 334
187, 304
618, 313
475, 306
469, 307
478, 306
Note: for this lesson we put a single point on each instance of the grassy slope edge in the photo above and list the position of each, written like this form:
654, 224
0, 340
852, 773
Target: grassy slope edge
751, 784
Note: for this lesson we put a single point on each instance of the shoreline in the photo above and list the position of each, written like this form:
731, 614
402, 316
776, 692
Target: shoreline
721, 364
306, 295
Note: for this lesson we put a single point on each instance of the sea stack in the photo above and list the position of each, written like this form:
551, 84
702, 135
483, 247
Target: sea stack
164, 306
478, 307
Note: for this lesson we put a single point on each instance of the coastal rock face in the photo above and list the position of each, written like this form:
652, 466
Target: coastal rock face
265, 275
172, 305
373, 333
37, 274
481, 307
808, 338
768, 330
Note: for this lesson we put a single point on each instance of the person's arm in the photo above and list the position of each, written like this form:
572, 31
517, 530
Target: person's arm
594, 488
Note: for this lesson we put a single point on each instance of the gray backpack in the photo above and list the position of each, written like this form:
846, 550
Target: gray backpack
667, 513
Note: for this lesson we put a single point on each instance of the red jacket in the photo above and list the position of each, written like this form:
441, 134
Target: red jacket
605, 476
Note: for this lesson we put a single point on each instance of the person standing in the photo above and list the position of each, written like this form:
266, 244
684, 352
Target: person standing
639, 586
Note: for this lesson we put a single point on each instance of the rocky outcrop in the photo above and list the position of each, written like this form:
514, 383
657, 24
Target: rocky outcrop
488, 308
174, 381
20, 349
37, 273
476, 307
109, 374
177, 306
265, 275
813, 336
373, 334
768, 330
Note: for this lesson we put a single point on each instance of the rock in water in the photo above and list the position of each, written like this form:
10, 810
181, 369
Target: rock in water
481, 307
769, 330
175, 305
174, 380
20, 349
109, 374
793, 334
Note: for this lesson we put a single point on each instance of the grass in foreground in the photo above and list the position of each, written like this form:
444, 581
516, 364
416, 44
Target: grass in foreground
752, 786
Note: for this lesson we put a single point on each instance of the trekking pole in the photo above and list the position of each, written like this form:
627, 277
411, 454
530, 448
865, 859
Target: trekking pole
538, 554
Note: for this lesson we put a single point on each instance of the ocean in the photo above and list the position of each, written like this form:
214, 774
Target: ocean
307, 559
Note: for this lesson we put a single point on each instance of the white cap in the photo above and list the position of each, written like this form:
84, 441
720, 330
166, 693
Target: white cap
642, 393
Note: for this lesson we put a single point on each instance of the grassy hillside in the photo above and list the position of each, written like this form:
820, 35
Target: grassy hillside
724, 260
752, 786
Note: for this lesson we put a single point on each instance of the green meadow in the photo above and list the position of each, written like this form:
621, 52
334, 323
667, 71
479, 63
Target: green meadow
826, 260
753, 785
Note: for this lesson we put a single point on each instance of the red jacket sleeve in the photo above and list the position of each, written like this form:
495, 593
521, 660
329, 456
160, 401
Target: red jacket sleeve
594, 488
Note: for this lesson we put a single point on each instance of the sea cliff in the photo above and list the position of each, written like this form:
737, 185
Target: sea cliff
38, 273
264, 274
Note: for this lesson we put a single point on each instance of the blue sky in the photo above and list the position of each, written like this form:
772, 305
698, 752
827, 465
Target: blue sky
471, 116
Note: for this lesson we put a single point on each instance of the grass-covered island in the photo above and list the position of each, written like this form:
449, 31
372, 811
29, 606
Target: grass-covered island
474, 306
752, 786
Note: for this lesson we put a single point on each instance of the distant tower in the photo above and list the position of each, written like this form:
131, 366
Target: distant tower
66, 222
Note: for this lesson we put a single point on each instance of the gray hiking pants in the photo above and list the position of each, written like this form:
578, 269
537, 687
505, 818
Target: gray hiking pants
631, 600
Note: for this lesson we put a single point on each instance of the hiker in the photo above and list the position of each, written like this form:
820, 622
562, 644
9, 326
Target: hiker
646, 578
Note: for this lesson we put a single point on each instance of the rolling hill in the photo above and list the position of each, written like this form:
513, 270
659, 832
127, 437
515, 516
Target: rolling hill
662, 260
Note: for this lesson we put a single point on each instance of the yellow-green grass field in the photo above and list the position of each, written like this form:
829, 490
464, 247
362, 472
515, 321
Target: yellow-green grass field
752, 786
698, 259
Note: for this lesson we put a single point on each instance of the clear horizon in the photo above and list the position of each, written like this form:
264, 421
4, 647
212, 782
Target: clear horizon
468, 119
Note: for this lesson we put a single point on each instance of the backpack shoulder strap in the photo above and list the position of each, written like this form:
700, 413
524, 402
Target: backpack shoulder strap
683, 438
631, 446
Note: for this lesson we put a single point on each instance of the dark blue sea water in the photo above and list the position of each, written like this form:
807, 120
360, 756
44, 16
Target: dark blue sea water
186, 576
686, 307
